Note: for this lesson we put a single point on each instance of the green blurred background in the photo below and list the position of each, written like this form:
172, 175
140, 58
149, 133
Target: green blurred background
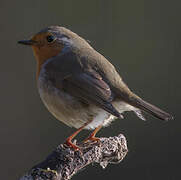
142, 38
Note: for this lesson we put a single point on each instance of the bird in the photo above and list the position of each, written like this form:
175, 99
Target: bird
79, 86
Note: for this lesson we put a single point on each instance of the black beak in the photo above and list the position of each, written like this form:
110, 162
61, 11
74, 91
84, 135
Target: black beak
27, 42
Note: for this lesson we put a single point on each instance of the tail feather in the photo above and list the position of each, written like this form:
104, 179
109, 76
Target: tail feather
151, 109
139, 114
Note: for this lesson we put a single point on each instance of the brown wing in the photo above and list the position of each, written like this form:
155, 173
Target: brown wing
90, 88
67, 73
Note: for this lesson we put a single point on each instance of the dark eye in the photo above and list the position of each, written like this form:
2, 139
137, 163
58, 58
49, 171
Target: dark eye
50, 38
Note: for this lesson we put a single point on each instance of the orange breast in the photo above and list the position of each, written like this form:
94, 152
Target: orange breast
42, 54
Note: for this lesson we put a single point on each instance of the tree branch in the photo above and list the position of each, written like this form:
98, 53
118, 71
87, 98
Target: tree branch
64, 162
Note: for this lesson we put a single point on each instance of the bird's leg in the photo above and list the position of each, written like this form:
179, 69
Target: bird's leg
69, 139
92, 135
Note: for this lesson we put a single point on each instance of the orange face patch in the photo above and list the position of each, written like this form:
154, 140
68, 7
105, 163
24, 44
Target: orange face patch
43, 49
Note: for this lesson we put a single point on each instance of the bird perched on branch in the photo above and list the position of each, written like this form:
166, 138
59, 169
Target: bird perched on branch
79, 86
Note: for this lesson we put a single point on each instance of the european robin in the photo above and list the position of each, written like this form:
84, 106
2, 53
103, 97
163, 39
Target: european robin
79, 86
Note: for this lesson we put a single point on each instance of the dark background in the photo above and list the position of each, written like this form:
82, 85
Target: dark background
142, 38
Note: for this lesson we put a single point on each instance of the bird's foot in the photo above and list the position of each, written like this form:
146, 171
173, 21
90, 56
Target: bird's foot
69, 143
92, 139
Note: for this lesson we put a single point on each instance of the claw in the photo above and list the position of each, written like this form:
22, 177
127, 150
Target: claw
92, 138
69, 143
92, 135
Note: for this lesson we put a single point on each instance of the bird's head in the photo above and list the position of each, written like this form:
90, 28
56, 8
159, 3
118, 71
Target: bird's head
52, 41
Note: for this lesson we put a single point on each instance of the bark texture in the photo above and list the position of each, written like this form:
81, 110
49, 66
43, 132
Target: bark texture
64, 162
